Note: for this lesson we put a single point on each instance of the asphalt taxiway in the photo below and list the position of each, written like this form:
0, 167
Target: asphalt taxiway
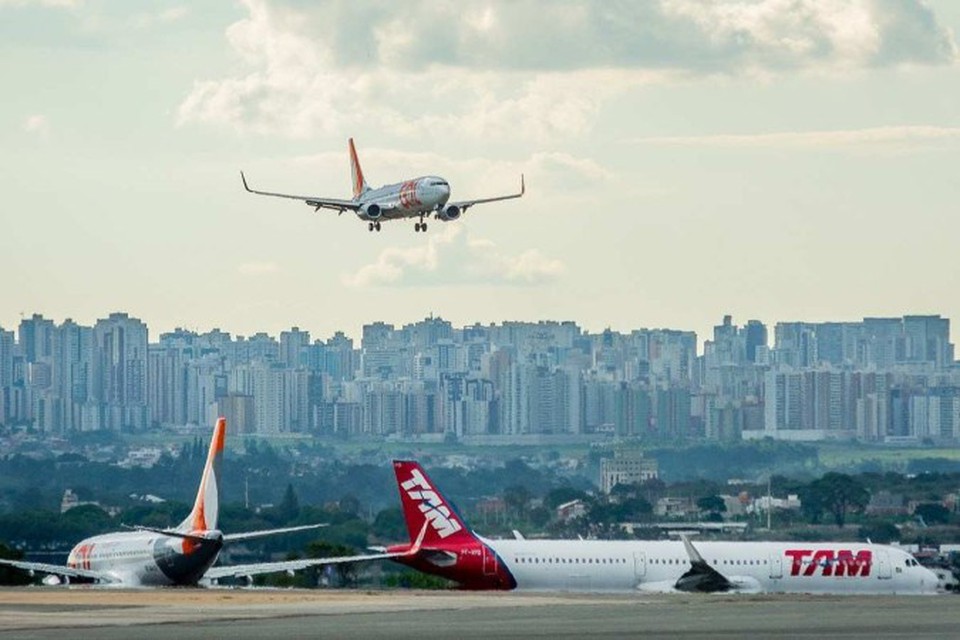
224, 613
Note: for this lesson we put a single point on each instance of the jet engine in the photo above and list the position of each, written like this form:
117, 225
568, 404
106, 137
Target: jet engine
371, 211
448, 213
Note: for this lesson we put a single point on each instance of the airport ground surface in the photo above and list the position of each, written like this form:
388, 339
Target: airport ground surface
222, 613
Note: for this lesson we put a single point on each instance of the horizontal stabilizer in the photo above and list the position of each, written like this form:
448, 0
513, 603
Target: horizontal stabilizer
168, 532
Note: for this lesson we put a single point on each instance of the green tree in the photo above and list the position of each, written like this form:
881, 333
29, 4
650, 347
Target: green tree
516, 498
562, 495
712, 504
839, 494
347, 572
390, 525
10, 575
932, 513
883, 532
289, 507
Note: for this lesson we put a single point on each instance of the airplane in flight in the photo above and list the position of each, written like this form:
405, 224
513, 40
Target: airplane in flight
416, 198
184, 555
445, 546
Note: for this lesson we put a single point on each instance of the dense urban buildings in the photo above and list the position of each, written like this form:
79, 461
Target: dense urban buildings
877, 380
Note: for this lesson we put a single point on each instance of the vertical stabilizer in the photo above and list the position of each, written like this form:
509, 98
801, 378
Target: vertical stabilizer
427, 512
207, 505
356, 173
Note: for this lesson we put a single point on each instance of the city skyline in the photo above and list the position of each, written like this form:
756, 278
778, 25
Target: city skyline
684, 160
877, 380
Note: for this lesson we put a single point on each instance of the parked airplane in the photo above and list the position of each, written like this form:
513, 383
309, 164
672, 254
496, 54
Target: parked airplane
448, 548
416, 198
181, 556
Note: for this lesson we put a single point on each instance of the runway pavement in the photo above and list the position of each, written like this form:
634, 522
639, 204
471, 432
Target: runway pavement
225, 613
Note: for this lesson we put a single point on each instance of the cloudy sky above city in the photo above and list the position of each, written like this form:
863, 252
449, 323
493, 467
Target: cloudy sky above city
684, 159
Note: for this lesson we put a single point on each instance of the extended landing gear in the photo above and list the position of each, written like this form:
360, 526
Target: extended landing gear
420, 226
373, 226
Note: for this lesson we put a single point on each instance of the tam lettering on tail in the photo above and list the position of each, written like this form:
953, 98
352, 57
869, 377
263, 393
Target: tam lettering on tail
356, 173
425, 506
207, 504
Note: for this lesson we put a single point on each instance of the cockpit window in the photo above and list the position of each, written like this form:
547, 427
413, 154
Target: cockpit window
440, 183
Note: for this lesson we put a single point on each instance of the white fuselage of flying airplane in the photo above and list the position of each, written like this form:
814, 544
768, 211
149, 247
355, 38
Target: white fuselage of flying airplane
408, 199
756, 567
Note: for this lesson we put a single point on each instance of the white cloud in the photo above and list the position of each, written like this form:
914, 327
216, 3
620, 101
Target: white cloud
257, 268
894, 135
525, 68
37, 124
452, 257
164, 17
66, 4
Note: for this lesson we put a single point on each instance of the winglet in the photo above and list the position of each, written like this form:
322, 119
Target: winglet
523, 187
415, 549
695, 556
244, 178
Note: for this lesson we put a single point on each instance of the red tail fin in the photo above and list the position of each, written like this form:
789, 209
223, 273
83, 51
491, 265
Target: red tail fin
423, 503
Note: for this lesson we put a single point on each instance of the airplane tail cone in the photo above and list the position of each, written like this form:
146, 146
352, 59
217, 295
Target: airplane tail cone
206, 507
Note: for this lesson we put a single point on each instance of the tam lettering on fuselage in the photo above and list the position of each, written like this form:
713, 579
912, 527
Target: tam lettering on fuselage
843, 562
431, 505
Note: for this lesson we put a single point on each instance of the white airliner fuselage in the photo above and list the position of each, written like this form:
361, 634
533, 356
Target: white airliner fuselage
447, 547
760, 567
144, 558
416, 198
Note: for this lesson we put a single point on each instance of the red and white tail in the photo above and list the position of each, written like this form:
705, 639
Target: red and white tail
207, 505
427, 512
356, 173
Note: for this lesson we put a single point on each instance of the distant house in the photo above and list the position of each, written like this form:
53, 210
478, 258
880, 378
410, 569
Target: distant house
571, 510
885, 503
674, 508
626, 468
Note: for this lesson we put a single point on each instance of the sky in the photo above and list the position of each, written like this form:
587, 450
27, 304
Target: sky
780, 160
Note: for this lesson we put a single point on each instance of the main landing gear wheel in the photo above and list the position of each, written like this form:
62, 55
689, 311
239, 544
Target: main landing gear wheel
378, 226
373, 226
369, 226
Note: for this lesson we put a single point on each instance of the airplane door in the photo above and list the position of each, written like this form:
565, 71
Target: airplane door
883, 566
639, 565
776, 565
489, 561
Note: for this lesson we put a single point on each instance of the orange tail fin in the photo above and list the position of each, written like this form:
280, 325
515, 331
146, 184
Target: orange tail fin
207, 505
356, 173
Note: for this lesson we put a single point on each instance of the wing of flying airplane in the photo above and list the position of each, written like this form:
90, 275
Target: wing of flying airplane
463, 205
59, 570
315, 202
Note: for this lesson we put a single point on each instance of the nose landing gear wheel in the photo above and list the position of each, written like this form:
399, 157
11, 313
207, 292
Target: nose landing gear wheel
416, 227
423, 227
